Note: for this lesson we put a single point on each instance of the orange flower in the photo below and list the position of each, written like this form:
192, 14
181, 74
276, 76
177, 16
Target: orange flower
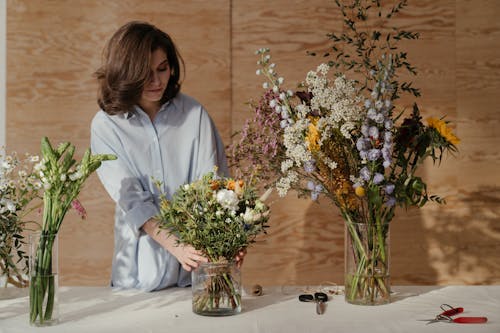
215, 185
231, 184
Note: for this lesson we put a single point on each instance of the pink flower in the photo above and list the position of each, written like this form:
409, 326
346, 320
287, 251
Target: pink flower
77, 205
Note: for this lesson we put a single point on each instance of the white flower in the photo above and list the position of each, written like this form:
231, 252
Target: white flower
258, 72
227, 199
265, 85
9, 205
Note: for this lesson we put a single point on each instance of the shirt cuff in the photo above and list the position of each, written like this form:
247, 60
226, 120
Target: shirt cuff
137, 216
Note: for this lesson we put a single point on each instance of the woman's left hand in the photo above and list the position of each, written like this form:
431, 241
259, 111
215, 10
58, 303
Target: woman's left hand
240, 256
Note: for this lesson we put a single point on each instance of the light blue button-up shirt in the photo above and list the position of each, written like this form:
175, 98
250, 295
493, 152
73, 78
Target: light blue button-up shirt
178, 147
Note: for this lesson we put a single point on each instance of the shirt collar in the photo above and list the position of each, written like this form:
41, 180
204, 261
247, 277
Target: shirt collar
137, 109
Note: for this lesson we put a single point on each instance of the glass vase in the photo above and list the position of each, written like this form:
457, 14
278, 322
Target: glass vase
216, 289
367, 263
43, 271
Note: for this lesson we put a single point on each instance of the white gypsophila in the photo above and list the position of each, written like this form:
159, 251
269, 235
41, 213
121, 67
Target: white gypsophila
339, 99
328, 161
227, 199
302, 110
296, 149
323, 69
346, 129
284, 184
286, 165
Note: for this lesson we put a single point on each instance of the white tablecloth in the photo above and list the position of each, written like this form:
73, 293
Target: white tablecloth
95, 309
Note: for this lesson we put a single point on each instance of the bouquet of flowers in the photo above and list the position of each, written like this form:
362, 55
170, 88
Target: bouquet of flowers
343, 137
218, 216
62, 179
18, 188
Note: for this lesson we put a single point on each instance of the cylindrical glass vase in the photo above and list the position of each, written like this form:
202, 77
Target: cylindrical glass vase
43, 271
367, 263
216, 289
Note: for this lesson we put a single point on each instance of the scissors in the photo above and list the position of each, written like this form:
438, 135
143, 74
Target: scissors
320, 299
449, 311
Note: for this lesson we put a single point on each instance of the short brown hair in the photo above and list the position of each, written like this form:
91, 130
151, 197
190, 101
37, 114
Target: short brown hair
126, 66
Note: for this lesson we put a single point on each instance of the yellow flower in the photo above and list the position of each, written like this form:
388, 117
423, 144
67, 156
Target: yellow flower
443, 130
360, 191
312, 137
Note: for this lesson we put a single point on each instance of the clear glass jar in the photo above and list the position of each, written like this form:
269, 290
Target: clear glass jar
367, 263
44, 279
216, 289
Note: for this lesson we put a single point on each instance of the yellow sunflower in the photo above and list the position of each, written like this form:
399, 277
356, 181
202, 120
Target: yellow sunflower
443, 130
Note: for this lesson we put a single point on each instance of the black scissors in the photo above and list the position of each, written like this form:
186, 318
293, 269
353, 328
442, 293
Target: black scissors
320, 299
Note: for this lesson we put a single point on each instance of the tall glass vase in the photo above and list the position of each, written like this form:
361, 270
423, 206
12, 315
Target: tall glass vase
43, 270
216, 289
367, 263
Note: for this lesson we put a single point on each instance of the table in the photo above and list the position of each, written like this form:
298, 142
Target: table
99, 309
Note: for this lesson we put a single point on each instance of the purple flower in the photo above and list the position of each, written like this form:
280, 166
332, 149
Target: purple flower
378, 178
379, 118
386, 153
373, 132
371, 113
368, 103
310, 166
386, 163
389, 188
363, 144
373, 154
391, 201
387, 136
363, 154
365, 173
315, 189
364, 130
388, 124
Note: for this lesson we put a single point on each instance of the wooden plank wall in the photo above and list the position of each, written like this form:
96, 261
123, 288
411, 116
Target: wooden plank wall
53, 47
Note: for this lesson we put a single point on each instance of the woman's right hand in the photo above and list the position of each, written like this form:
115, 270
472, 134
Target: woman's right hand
187, 256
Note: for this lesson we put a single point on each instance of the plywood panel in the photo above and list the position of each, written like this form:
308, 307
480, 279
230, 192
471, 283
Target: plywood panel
305, 240
53, 49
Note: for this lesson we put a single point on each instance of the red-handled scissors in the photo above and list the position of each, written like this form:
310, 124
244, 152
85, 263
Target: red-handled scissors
449, 311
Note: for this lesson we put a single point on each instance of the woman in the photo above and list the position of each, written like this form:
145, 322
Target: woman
158, 134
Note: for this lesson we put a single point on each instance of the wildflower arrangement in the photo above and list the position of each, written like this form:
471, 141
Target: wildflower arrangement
218, 216
62, 179
19, 187
342, 136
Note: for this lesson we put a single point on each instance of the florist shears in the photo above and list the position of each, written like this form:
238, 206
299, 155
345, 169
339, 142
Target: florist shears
320, 299
449, 311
